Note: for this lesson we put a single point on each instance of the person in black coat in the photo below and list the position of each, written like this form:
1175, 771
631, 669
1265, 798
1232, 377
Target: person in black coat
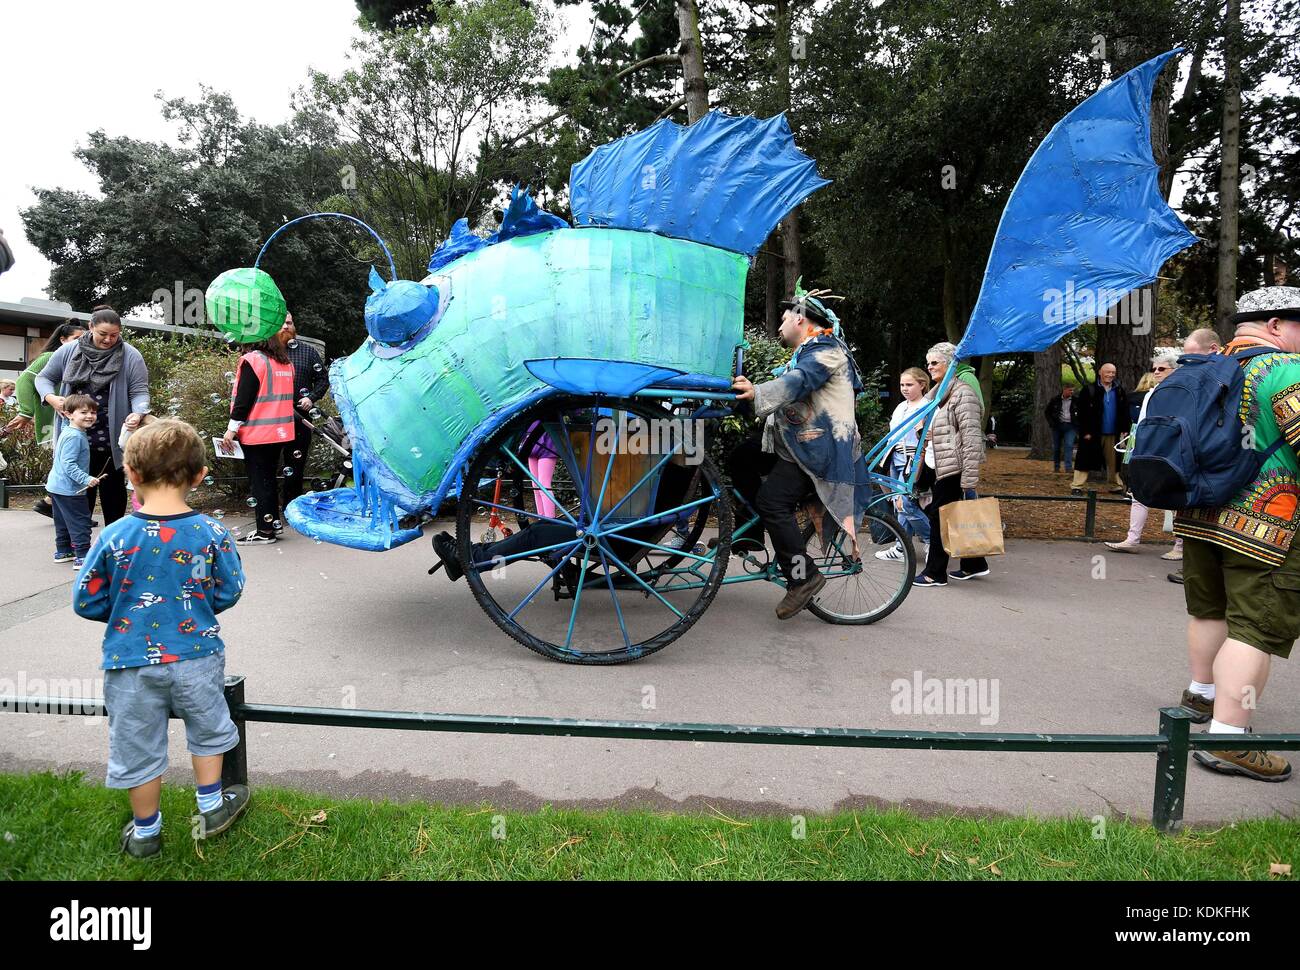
311, 383
1100, 417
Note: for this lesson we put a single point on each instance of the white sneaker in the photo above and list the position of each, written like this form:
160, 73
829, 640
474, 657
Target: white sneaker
894, 554
1173, 555
1124, 546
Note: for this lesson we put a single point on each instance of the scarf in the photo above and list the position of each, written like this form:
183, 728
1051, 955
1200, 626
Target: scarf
89, 368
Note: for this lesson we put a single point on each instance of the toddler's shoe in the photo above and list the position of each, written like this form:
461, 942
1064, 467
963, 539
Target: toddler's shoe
234, 799
139, 848
78, 562
63, 557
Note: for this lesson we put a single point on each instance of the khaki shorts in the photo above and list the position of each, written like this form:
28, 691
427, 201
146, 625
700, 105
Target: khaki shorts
1260, 602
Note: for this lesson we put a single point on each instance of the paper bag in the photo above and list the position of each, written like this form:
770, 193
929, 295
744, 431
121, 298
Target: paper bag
972, 527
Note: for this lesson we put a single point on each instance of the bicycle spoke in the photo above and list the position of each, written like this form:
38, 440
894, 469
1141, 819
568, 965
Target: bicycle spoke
577, 598
533, 592
630, 572
618, 610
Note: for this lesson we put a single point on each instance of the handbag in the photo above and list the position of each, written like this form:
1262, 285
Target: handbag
972, 527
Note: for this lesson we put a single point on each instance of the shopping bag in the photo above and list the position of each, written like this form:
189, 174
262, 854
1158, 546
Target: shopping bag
972, 527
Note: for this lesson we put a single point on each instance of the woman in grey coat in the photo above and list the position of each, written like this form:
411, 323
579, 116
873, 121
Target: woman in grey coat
952, 463
111, 371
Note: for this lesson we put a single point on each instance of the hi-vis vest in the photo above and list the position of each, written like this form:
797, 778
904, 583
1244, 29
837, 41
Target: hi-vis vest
271, 419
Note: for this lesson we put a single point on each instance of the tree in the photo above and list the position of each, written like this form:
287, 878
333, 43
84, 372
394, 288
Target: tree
1229, 173
417, 110
169, 217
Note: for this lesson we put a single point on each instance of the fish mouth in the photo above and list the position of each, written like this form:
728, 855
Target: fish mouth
364, 515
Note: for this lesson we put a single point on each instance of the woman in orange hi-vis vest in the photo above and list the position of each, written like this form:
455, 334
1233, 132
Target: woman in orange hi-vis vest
261, 418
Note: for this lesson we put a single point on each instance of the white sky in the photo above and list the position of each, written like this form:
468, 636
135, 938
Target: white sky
71, 66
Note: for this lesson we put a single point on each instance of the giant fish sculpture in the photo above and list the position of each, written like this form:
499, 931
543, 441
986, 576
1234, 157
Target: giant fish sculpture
647, 286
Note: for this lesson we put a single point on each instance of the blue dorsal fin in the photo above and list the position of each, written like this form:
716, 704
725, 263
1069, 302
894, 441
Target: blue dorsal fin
723, 181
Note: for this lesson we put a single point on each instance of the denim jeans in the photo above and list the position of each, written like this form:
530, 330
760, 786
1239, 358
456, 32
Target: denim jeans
1063, 440
910, 516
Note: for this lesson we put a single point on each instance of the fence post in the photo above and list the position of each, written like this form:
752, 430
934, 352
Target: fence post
234, 767
4, 493
1090, 516
1171, 770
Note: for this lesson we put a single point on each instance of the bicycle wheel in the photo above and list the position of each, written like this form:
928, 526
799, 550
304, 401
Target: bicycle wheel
866, 589
613, 575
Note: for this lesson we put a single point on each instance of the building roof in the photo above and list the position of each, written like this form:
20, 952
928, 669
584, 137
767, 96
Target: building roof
45, 312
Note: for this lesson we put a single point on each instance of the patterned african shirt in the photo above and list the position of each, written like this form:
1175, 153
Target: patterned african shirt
1260, 521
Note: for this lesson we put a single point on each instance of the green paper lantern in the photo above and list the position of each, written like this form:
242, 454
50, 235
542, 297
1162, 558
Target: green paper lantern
246, 305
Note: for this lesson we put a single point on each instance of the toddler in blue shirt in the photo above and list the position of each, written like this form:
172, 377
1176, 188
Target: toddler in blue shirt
158, 578
70, 477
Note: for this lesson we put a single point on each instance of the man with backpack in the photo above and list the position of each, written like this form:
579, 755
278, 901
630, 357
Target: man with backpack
1218, 443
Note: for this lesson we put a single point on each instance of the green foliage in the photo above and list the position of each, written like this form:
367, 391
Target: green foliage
168, 214
28, 462
413, 108
191, 379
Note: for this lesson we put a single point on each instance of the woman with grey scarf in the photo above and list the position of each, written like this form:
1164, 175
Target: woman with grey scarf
111, 371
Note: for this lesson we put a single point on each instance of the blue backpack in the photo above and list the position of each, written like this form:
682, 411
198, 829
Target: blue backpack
1189, 451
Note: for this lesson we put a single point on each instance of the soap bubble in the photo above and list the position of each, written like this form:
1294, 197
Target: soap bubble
297, 454
317, 540
302, 392
218, 514
292, 343
175, 402
277, 525
252, 502
347, 464
417, 453
234, 531
315, 414
288, 472
216, 398
230, 376
207, 480
317, 367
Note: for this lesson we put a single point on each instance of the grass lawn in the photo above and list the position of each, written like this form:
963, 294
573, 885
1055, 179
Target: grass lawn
58, 827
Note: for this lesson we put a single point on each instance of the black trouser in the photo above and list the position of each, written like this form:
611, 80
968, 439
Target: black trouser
300, 446
747, 464
786, 487
946, 490
111, 488
262, 462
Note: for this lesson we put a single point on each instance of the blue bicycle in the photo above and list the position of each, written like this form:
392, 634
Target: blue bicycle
641, 536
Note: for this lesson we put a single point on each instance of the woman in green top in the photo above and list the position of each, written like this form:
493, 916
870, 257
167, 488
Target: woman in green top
32, 411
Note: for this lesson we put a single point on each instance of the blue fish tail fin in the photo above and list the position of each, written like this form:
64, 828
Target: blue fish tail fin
723, 181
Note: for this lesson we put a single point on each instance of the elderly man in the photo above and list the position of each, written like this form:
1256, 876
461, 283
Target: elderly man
811, 443
1101, 416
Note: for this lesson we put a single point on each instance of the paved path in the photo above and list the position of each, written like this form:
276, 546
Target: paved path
322, 626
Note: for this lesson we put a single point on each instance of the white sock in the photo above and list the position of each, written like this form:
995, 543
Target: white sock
1218, 727
1205, 690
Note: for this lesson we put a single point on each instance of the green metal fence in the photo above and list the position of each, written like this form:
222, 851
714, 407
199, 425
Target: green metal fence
1172, 743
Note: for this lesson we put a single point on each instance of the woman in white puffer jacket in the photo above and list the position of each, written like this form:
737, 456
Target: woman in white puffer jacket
953, 454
